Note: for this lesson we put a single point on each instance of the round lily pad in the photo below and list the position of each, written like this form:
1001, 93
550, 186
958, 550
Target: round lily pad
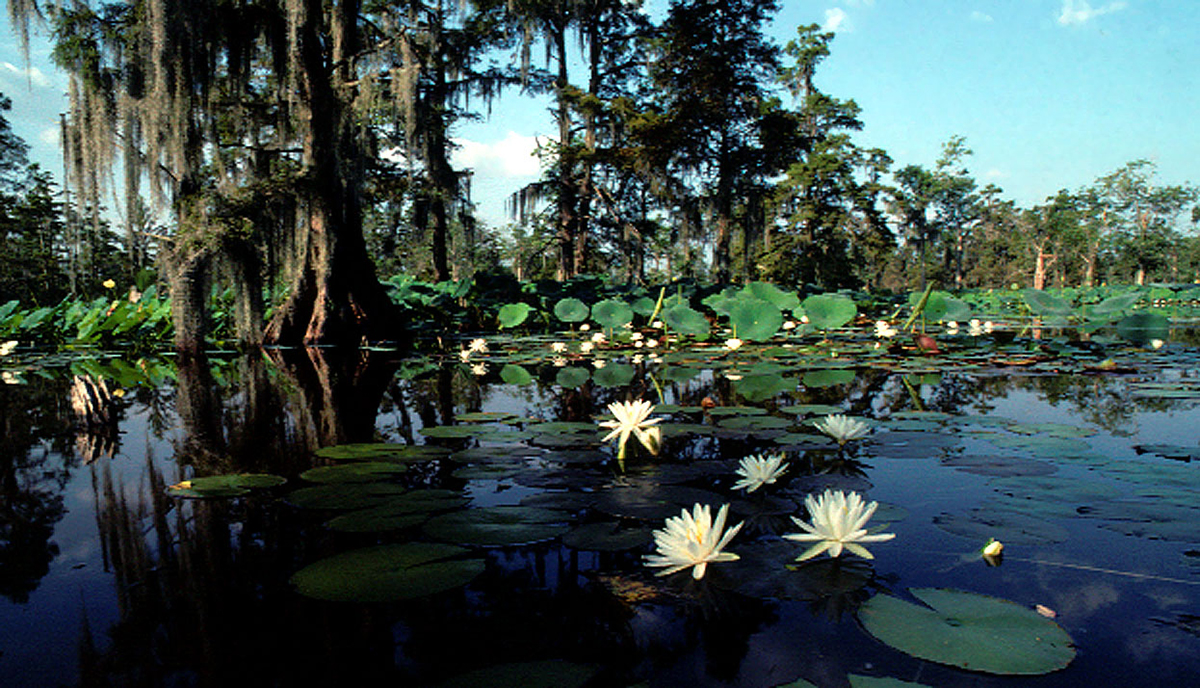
218, 486
387, 573
755, 320
514, 374
686, 320
614, 375
356, 472
398, 512
343, 495
612, 313
513, 314
498, 526
1008, 526
607, 536
572, 377
969, 631
381, 451
827, 311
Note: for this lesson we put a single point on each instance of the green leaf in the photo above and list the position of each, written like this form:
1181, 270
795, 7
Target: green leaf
828, 311
765, 291
498, 526
1042, 303
612, 313
686, 320
387, 573
571, 310
755, 320
514, 374
1140, 328
513, 314
572, 377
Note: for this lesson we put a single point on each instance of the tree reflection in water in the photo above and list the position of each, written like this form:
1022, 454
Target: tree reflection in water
202, 585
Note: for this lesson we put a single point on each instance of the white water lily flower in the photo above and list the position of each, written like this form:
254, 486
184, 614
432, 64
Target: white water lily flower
951, 327
599, 363
975, 327
838, 522
733, 343
633, 418
789, 324
842, 428
693, 540
598, 337
759, 470
636, 359
479, 368
651, 343
636, 336
478, 346
1154, 343
884, 329
464, 355
993, 548
586, 347
558, 347
585, 327
559, 362
7, 347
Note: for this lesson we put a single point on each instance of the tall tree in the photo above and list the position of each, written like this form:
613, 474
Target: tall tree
713, 69
229, 107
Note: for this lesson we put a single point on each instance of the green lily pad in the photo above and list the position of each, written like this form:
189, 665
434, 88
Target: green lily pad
356, 472
498, 526
343, 495
999, 466
1007, 526
758, 388
380, 451
548, 674
811, 409
859, 681
827, 377
484, 417
969, 631
1046, 304
654, 502
398, 512
221, 486
607, 536
387, 573
765, 291
1140, 328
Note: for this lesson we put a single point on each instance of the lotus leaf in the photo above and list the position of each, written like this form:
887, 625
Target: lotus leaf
1045, 304
607, 536
1140, 328
755, 320
343, 495
829, 311
612, 313
571, 310
614, 375
354, 472
686, 320
969, 631
572, 377
514, 374
513, 314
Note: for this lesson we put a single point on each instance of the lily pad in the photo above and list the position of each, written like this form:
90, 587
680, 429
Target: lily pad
387, 573
829, 311
686, 320
356, 472
219, 486
607, 536
514, 374
612, 313
969, 631
571, 310
498, 526
381, 451
614, 375
1008, 526
343, 495
513, 314
754, 320
572, 377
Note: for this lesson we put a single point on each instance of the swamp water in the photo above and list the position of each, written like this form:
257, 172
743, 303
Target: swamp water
495, 541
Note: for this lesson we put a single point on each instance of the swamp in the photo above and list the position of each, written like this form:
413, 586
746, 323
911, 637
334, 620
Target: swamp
303, 516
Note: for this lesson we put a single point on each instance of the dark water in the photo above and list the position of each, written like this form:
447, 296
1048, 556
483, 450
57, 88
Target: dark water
106, 579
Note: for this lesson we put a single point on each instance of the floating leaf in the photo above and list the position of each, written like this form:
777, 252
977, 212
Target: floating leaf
614, 375
770, 293
355, 472
220, 486
572, 377
1043, 303
827, 377
343, 495
1140, 328
498, 526
387, 573
607, 536
969, 631
1008, 526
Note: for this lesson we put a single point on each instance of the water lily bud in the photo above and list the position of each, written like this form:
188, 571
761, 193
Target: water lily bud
993, 548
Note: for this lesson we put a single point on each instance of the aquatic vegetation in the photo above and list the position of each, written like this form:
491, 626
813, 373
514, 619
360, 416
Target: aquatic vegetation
693, 540
759, 470
633, 418
838, 522
842, 428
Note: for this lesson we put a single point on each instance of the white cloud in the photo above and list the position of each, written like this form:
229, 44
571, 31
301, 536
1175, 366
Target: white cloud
50, 136
1081, 12
511, 156
835, 18
995, 173
980, 17
31, 75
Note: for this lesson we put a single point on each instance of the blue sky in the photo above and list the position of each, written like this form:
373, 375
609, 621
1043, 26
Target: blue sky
1049, 94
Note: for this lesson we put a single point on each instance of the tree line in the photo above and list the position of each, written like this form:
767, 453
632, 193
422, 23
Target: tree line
295, 150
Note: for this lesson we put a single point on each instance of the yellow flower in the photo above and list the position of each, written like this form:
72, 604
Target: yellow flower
692, 540
633, 418
838, 522
109, 284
